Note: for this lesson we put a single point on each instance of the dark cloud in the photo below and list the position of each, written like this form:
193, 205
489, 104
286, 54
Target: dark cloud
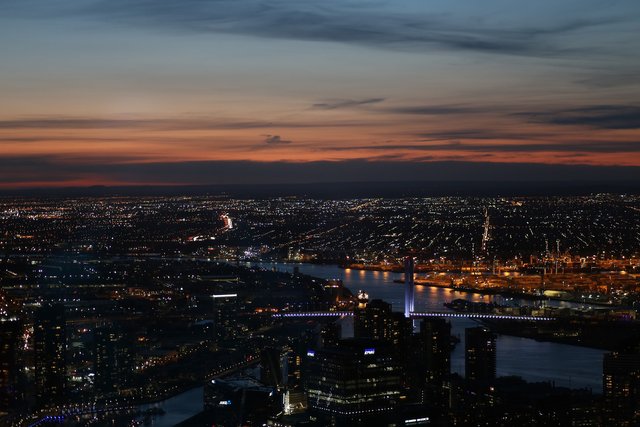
432, 109
161, 123
597, 116
47, 138
332, 21
275, 140
602, 80
25, 170
109, 123
577, 147
478, 134
407, 109
335, 104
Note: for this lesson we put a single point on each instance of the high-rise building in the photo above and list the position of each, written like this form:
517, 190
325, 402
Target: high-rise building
480, 356
225, 314
374, 321
621, 388
331, 333
10, 337
49, 340
435, 334
358, 382
113, 363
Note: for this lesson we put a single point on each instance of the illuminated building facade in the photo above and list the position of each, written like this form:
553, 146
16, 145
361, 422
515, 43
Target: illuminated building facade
113, 361
435, 334
225, 311
10, 335
331, 334
621, 388
373, 320
358, 382
480, 356
49, 339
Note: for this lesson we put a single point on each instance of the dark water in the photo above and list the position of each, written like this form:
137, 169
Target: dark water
567, 365
177, 408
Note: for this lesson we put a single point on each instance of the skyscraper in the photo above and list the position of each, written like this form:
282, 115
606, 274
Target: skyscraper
621, 388
10, 335
225, 312
49, 339
331, 333
480, 356
357, 382
112, 359
435, 334
373, 321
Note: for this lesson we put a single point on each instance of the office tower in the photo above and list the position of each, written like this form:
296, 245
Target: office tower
435, 334
621, 388
331, 333
49, 340
225, 314
10, 337
377, 322
294, 368
480, 356
358, 382
408, 286
113, 362
373, 321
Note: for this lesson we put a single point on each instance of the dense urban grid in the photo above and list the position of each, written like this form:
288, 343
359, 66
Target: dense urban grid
109, 305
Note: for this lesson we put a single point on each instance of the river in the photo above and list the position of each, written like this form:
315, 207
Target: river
177, 408
566, 365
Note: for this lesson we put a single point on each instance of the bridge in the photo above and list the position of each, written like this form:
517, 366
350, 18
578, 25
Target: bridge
419, 315
409, 307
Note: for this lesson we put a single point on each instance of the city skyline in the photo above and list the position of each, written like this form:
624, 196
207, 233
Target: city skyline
168, 93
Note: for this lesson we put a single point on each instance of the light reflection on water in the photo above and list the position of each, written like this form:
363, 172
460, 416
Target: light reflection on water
177, 408
566, 365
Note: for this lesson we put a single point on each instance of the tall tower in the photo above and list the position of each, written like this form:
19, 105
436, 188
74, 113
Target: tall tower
621, 388
480, 356
357, 383
10, 364
50, 344
375, 321
408, 286
436, 341
113, 361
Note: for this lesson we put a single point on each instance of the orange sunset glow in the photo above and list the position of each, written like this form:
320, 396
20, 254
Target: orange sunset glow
83, 102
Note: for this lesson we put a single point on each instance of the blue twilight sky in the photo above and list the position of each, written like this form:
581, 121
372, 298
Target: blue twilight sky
93, 88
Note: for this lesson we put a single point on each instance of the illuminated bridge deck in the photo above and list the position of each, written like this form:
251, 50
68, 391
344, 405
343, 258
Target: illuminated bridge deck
421, 315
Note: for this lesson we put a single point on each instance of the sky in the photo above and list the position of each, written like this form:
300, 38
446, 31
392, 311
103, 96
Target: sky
137, 92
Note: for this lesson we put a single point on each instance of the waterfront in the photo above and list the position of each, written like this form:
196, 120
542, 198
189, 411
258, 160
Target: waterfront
566, 365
